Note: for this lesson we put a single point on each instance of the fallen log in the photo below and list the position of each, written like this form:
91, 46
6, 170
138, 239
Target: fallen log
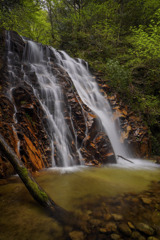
125, 159
33, 187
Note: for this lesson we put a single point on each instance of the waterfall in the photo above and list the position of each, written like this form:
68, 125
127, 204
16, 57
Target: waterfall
91, 96
50, 96
37, 60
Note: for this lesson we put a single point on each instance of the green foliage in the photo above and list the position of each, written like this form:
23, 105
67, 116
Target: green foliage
38, 29
145, 40
155, 144
149, 106
119, 76
7, 5
83, 27
28, 19
146, 44
32, 186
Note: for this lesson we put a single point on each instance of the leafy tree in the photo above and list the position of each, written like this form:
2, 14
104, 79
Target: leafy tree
28, 18
145, 40
7, 5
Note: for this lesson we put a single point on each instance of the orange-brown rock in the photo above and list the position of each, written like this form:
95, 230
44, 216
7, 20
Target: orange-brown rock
24, 137
34, 155
21, 117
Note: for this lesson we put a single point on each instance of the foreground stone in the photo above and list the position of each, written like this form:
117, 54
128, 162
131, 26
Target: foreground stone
152, 238
123, 227
137, 235
115, 236
100, 227
145, 228
117, 217
76, 235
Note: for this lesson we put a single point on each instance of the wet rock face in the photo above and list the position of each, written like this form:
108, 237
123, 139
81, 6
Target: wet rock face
26, 134
7, 130
21, 116
25, 125
34, 147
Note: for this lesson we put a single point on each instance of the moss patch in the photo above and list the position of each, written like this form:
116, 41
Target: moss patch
32, 186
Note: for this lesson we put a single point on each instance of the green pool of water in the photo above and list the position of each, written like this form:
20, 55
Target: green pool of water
22, 218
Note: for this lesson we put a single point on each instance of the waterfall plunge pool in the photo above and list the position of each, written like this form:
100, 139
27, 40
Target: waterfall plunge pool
99, 196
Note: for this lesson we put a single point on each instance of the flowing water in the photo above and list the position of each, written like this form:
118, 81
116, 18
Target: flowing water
90, 95
50, 96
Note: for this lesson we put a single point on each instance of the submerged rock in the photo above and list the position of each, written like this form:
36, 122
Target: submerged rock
95, 222
145, 228
123, 227
146, 200
131, 225
115, 236
152, 238
137, 235
111, 227
103, 230
76, 235
117, 217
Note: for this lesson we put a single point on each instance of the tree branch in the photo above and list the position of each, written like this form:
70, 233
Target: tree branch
33, 187
125, 159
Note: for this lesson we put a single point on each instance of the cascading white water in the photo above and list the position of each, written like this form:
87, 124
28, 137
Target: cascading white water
49, 93
90, 95
50, 96
37, 62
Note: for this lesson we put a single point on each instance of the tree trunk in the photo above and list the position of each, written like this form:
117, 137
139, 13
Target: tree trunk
35, 190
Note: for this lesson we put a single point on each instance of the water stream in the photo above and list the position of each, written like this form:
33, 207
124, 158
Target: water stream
90, 95
50, 96
87, 192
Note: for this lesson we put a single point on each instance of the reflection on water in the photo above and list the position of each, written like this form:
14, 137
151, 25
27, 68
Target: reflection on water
70, 189
22, 218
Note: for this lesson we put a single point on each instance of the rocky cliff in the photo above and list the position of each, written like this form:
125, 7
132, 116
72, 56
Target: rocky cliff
25, 125
134, 133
